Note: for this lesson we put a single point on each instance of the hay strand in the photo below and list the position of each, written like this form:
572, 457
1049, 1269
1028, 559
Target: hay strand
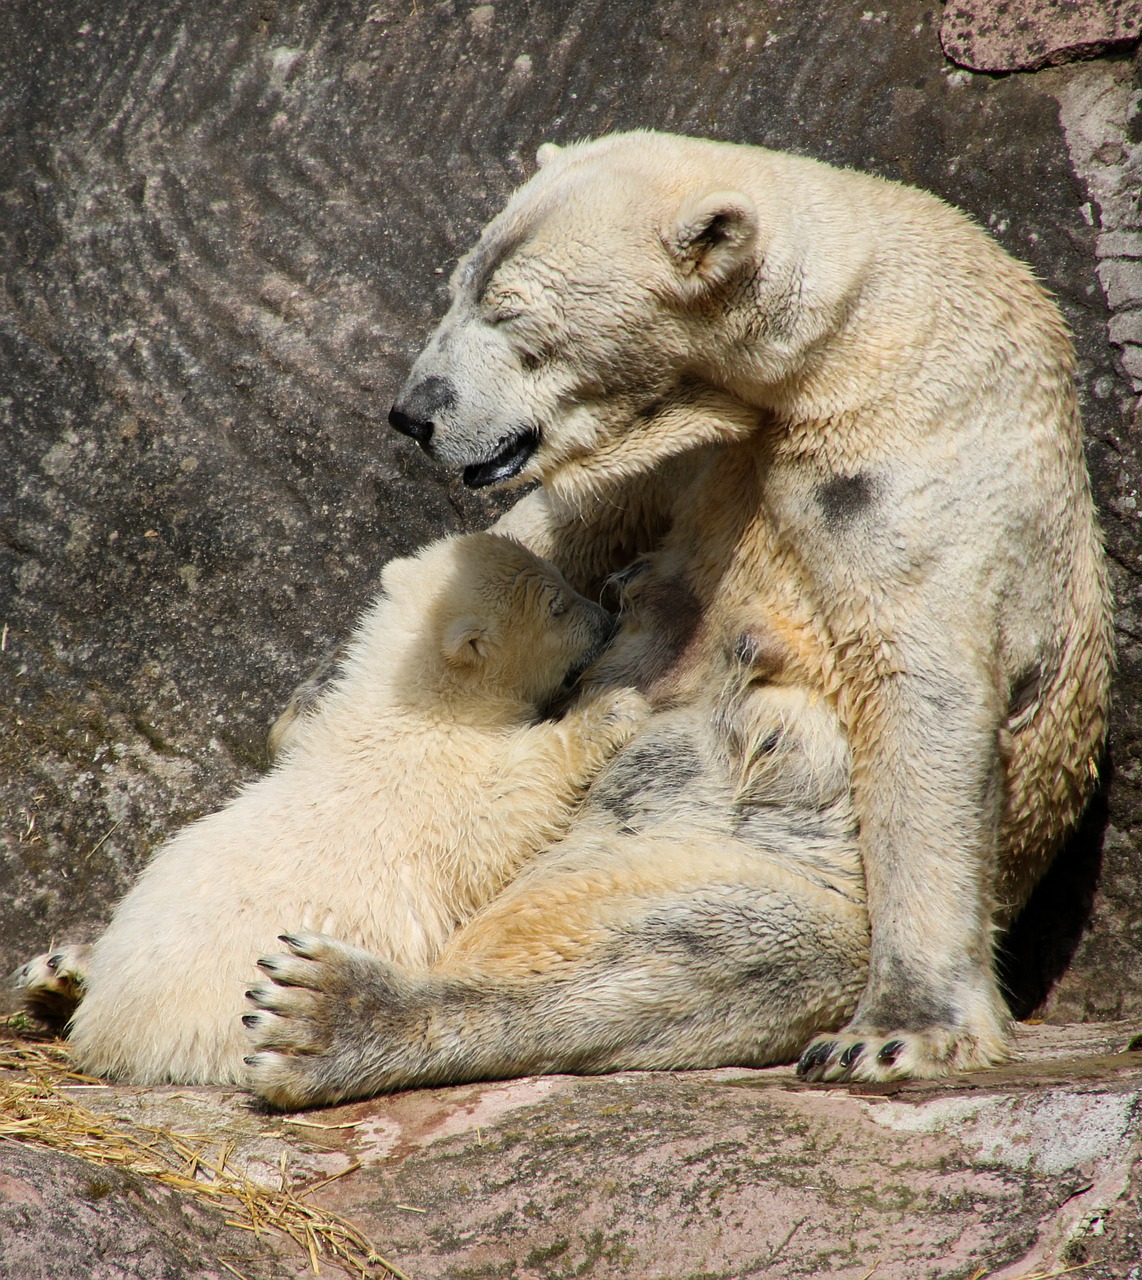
34, 1110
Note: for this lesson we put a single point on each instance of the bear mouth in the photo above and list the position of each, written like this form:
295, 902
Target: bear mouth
601, 645
509, 459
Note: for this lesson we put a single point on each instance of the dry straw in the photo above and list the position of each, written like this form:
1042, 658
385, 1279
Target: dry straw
34, 1109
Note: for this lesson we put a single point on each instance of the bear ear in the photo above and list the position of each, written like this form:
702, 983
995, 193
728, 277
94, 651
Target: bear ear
712, 236
466, 642
546, 152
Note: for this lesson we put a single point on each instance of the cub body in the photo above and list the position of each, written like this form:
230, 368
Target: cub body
707, 905
419, 783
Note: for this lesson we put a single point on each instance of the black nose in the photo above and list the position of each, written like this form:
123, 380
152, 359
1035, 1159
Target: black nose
420, 430
413, 413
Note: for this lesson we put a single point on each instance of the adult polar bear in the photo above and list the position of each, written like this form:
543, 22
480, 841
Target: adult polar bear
900, 501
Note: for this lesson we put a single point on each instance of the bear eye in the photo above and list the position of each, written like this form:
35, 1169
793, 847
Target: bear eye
500, 306
558, 605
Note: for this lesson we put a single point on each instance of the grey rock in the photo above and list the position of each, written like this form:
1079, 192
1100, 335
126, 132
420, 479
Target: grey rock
1132, 363
718, 1174
1126, 327
1122, 280
225, 229
1025, 35
1119, 244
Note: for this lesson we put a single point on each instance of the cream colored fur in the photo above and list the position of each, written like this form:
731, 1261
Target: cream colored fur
706, 907
907, 447
418, 785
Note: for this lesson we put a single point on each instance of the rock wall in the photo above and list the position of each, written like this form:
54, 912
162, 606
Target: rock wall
224, 230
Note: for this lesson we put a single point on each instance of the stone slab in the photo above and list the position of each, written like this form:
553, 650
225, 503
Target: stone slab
728, 1174
1025, 35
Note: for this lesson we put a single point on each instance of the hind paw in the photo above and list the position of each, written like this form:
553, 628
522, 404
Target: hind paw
51, 985
317, 1020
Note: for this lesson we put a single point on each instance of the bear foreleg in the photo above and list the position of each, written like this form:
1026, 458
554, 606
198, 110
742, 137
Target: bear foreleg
928, 778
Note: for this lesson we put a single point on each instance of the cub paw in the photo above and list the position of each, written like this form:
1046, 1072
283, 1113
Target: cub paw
895, 1055
315, 1020
620, 710
51, 985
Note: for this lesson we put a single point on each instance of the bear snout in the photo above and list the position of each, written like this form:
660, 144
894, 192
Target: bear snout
601, 630
412, 414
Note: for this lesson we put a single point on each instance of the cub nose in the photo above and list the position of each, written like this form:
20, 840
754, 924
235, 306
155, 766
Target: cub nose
412, 414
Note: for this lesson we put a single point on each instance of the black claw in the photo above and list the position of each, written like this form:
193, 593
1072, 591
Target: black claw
851, 1054
293, 943
890, 1052
251, 1060
251, 994
816, 1056
250, 1020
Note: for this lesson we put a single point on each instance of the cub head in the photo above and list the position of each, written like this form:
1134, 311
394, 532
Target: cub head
486, 622
607, 288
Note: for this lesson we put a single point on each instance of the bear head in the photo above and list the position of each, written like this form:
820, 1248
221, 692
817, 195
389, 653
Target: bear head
479, 622
610, 289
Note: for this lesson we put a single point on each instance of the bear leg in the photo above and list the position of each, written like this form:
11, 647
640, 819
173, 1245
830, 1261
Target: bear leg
51, 985
566, 972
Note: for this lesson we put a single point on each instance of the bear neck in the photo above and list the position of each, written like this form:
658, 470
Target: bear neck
857, 344
448, 697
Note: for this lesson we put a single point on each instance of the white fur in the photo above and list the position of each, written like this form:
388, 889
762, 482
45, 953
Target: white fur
405, 800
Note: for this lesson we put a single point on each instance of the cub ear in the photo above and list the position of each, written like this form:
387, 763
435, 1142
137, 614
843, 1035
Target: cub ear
466, 642
712, 236
546, 152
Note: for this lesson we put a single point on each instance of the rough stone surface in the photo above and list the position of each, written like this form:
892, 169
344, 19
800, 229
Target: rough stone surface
721, 1175
1100, 108
1024, 35
225, 229
67, 1219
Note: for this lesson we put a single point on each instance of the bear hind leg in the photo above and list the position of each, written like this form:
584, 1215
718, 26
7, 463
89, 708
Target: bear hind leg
731, 974
51, 985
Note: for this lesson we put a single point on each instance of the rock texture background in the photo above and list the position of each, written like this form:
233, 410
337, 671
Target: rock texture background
711, 1175
225, 229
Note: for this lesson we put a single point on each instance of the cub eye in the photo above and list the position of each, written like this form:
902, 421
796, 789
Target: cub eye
558, 605
502, 315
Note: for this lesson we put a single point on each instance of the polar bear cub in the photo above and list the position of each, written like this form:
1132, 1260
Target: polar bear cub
416, 788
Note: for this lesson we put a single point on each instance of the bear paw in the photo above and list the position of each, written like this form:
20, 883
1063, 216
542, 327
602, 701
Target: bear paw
318, 1030
895, 1055
617, 712
622, 707
51, 985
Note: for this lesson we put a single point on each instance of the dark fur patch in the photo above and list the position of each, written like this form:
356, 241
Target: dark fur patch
428, 398
630, 787
761, 652
843, 498
487, 259
1025, 692
905, 1001
668, 620
677, 620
